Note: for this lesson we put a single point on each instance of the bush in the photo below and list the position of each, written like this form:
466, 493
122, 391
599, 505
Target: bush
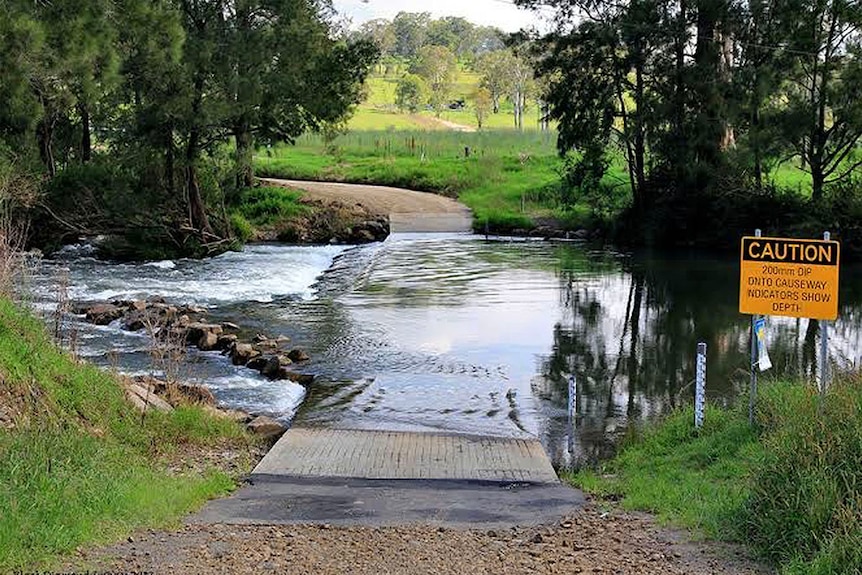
805, 508
268, 205
242, 229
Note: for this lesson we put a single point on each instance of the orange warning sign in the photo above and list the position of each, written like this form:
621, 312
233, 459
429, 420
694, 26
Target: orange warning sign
787, 277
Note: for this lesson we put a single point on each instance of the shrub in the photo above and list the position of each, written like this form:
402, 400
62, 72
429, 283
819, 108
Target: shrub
806, 494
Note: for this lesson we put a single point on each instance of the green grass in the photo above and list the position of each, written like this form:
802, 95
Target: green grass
509, 180
379, 113
791, 488
257, 211
83, 467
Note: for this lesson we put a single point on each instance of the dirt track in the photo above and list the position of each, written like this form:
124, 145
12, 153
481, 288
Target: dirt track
380, 200
407, 210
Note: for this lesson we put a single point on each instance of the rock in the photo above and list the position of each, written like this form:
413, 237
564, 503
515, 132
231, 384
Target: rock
300, 378
265, 427
103, 313
266, 344
260, 338
208, 341
138, 305
196, 394
225, 342
228, 326
282, 339
196, 330
145, 399
134, 322
273, 368
297, 355
581, 234
537, 538
257, 363
241, 353
240, 417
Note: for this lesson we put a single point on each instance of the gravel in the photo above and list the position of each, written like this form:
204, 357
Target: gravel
593, 541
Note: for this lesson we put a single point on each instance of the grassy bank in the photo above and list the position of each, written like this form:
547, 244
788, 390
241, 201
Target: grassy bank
509, 179
80, 466
790, 488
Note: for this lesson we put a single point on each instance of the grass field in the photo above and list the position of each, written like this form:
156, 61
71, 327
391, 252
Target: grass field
82, 466
790, 487
378, 111
509, 178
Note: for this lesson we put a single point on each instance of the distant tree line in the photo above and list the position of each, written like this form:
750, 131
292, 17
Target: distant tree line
705, 98
147, 112
428, 53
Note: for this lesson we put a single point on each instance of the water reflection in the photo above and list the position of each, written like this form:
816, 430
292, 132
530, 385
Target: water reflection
463, 334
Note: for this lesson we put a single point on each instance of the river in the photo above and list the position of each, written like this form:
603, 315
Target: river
462, 333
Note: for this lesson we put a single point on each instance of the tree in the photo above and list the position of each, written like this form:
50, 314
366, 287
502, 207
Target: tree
823, 119
410, 33
482, 105
438, 67
520, 87
494, 68
451, 32
411, 93
381, 33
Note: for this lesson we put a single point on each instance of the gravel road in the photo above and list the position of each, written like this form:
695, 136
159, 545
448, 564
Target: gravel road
593, 541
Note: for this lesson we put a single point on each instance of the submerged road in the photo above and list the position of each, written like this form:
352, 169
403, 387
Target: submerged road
408, 210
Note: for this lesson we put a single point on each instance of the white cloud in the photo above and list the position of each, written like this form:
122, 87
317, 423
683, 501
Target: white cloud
499, 13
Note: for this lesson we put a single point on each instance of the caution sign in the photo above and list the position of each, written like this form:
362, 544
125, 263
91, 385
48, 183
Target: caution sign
786, 277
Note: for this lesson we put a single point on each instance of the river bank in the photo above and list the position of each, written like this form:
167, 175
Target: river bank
789, 487
80, 465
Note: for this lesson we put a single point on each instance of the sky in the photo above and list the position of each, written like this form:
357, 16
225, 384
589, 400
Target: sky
499, 13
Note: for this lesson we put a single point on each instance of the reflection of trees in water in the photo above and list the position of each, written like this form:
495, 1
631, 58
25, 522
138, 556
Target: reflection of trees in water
638, 360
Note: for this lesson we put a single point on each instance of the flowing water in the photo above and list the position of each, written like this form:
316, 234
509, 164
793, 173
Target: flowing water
460, 333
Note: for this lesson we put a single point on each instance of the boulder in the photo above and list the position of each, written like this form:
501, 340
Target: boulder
241, 353
103, 313
257, 363
273, 368
581, 234
134, 322
264, 426
137, 305
145, 399
260, 338
208, 341
228, 326
196, 330
225, 342
298, 355
304, 379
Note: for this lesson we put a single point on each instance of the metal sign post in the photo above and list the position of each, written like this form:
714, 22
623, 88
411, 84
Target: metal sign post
824, 348
752, 392
700, 386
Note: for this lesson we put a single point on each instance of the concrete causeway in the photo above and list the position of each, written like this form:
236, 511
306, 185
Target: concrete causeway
385, 478
360, 454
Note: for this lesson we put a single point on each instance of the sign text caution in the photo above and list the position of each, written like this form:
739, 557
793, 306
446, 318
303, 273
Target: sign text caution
788, 277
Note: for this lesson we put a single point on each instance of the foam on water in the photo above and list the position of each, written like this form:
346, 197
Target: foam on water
260, 273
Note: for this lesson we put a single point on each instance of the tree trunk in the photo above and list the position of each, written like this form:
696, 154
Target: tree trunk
244, 153
197, 208
86, 139
169, 161
708, 138
640, 137
45, 135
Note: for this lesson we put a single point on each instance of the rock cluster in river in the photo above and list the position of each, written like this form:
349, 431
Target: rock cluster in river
174, 326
